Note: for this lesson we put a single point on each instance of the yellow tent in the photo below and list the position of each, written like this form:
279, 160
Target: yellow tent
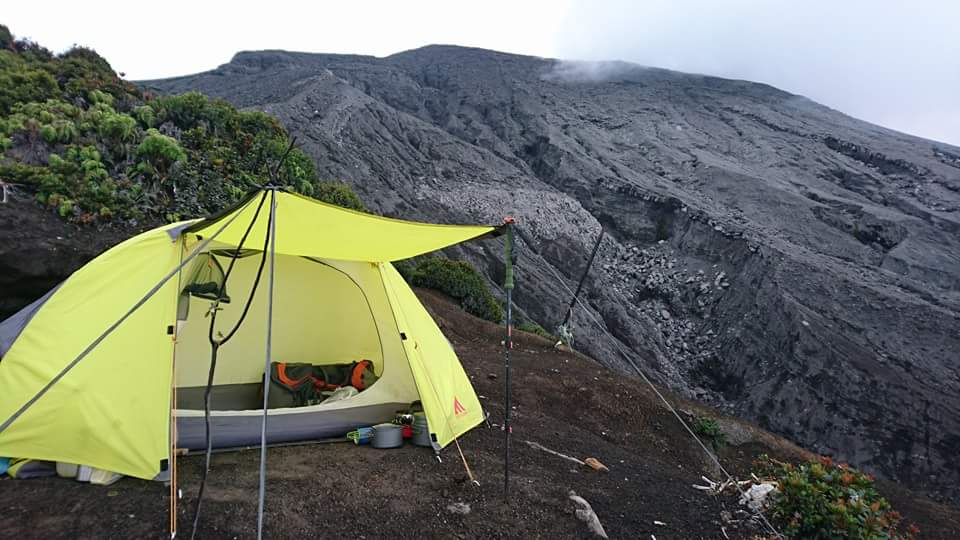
87, 372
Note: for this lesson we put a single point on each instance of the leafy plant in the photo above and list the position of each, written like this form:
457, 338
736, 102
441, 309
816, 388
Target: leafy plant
339, 194
159, 152
159, 157
822, 500
459, 280
709, 431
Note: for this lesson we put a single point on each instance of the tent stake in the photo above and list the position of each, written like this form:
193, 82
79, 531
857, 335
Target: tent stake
266, 367
508, 285
463, 458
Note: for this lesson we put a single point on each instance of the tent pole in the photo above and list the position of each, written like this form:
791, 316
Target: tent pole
266, 367
508, 343
93, 345
172, 460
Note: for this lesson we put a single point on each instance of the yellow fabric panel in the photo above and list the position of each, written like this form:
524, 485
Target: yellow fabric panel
448, 398
111, 410
320, 316
312, 228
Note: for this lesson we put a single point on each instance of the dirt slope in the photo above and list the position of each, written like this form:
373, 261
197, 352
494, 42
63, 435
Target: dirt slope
564, 401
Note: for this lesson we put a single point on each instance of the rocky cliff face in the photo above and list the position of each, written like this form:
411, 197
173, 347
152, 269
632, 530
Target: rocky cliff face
764, 253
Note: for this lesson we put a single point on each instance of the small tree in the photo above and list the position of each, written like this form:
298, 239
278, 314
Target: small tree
337, 193
159, 153
6, 38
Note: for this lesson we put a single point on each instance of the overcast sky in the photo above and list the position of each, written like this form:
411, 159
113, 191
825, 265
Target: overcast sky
891, 62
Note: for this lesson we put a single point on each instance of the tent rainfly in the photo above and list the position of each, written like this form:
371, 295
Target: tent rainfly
94, 371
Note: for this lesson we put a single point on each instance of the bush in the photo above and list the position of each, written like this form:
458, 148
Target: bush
823, 500
337, 193
208, 155
534, 328
6, 38
145, 115
118, 128
459, 280
709, 432
159, 152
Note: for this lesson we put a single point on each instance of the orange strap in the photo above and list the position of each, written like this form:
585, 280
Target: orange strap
282, 375
356, 378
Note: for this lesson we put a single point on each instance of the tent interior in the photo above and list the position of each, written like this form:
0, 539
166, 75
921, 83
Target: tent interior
325, 312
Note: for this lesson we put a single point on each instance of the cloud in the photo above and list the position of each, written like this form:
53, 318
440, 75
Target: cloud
574, 71
885, 61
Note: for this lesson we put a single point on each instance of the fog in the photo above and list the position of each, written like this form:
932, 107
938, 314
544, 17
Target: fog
894, 63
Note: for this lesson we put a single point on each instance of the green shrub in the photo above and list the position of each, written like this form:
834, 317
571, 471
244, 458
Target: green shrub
211, 156
159, 152
118, 128
99, 96
533, 328
821, 500
6, 38
48, 134
337, 193
461, 281
145, 115
21, 82
709, 431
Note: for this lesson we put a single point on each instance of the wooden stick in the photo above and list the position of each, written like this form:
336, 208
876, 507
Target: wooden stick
465, 466
538, 446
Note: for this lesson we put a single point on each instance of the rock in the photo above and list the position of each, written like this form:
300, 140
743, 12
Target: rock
755, 497
458, 508
596, 465
586, 514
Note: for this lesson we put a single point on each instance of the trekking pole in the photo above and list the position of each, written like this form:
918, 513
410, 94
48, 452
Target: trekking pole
563, 330
508, 285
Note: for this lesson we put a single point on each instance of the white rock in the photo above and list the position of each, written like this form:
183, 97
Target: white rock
459, 508
757, 495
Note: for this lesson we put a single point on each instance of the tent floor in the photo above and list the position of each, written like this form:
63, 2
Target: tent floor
244, 404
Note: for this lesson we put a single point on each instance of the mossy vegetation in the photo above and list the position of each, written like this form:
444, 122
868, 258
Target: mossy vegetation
457, 279
93, 147
709, 431
533, 327
824, 500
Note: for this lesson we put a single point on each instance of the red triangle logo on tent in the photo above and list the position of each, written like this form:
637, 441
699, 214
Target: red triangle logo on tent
458, 408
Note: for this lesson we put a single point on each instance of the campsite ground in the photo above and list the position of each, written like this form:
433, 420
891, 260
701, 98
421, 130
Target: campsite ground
564, 401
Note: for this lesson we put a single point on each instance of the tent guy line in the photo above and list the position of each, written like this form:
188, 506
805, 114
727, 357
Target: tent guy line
667, 403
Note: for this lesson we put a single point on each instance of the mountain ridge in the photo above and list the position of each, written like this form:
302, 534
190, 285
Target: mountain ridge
764, 253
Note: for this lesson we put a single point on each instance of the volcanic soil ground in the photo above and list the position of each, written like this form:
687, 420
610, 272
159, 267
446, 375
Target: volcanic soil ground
564, 401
